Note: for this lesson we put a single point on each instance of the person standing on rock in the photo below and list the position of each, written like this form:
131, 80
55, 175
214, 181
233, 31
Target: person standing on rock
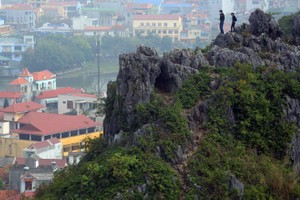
222, 19
233, 22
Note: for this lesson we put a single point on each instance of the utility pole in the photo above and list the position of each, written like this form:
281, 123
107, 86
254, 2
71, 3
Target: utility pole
98, 62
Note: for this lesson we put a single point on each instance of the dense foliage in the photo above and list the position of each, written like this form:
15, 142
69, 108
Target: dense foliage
247, 137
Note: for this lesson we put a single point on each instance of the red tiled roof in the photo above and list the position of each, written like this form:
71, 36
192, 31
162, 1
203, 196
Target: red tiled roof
60, 163
84, 95
25, 72
20, 7
39, 123
137, 6
44, 143
156, 17
43, 75
104, 28
67, 3
43, 162
7, 194
19, 81
55, 93
10, 95
22, 107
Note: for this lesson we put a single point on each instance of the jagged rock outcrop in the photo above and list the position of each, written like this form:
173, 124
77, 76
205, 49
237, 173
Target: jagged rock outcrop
296, 29
264, 23
140, 73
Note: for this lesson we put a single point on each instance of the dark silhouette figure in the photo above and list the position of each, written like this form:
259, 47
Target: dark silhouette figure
233, 22
222, 19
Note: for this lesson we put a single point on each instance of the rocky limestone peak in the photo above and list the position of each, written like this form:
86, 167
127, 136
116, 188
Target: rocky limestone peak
257, 44
261, 22
140, 73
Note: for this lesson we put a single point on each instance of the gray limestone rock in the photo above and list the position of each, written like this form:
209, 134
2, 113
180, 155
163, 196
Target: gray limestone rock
296, 28
236, 185
264, 23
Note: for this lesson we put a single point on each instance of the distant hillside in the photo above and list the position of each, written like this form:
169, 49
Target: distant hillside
214, 123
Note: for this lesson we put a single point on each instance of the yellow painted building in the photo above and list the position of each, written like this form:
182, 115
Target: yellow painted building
13, 147
161, 25
75, 143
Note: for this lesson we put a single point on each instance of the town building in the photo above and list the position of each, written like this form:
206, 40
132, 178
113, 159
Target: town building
81, 103
21, 16
9, 98
71, 130
47, 149
61, 28
112, 31
27, 174
15, 111
161, 25
12, 47
49, 98
81, 22
31, 84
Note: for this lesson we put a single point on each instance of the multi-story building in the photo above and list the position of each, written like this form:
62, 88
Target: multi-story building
13, 48
162, 25
79, 23
116, 30
78, 102
20, 16
38, 3
71, 130
31, 84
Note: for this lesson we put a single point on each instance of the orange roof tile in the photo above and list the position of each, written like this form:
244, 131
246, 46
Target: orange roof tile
39, 123
20, 7
43, 75
25, 72
156, 17
7, 194
61, 163
22, 107
10, 95
55, 93
45, 143
19, 81
84, 95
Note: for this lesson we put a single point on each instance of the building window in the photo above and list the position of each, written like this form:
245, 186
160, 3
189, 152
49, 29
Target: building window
75, 146
57, 135
175, 24
10, 149
74, 133
176, 32
65, 134
47, 137
147, 24
165, 24
159, 32
67, 148
28, 185
91, 130
153, 24
159, 24
82, 131
24, 137
70, 104
170, 31
164, 32
36, 138
142, 24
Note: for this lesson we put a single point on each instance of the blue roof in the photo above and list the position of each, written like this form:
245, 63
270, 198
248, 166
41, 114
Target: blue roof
154, 2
